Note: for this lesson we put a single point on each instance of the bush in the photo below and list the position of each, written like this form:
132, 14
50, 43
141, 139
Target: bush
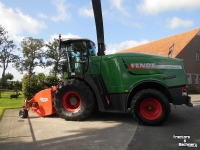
11, 85
193, 90
32, 84
51, 80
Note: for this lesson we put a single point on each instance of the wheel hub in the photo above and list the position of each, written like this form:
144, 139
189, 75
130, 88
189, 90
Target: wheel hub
73, 100
149, 107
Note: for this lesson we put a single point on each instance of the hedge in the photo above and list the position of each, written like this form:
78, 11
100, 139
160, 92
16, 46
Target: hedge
31, 84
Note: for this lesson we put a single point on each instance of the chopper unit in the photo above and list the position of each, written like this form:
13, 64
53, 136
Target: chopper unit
146, 84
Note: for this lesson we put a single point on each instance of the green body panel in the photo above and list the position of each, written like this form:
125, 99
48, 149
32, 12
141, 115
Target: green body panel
122, 71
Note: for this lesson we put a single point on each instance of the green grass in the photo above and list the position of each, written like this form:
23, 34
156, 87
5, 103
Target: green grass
6, 102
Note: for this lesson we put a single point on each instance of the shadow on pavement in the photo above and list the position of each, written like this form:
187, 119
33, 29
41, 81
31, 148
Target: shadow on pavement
100, 131
183, 121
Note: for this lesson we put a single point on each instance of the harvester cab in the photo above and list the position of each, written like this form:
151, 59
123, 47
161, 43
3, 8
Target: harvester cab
146, 84
78, 52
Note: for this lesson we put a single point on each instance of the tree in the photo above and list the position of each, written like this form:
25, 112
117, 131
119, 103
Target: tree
17, 85
32, 55
9, 76
7, 49
54, 56
51, 80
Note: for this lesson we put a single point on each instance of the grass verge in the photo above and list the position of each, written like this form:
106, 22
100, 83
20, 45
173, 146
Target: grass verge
6, 102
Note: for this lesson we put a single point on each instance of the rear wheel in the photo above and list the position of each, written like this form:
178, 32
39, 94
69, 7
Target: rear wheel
74, 100
23, 113
150, 107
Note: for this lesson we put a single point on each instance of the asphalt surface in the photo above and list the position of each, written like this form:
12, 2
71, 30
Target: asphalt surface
100, 131
183, 121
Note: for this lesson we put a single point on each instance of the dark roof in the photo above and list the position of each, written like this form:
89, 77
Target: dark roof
161, 47
66, 40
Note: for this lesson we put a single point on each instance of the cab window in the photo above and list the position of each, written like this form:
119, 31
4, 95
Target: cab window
92, 49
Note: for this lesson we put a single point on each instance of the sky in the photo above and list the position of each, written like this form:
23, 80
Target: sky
127, 23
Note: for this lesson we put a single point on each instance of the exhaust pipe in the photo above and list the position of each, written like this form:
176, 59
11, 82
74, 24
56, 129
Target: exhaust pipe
59, 42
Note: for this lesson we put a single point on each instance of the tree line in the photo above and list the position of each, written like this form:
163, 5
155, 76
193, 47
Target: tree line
33, 52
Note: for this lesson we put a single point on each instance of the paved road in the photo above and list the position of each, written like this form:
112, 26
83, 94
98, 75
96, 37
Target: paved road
100, 131
182, 121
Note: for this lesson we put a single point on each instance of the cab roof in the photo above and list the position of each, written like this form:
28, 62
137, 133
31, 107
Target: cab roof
68, 40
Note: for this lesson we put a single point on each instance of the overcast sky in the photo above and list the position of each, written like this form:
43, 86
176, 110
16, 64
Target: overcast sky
127, 23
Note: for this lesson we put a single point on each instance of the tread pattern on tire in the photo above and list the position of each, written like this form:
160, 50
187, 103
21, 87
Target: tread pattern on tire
86, 95
137, 99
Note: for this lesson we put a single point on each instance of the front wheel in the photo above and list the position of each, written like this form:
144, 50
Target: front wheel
150, 107
74, 100
23, 113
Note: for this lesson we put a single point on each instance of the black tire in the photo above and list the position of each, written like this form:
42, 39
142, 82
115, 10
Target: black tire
150, 107
74, 100
23, 113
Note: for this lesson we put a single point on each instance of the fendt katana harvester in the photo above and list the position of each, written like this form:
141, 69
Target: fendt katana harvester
143, 83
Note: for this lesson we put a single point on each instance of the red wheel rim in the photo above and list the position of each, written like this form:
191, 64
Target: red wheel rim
150, 109
71, 101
